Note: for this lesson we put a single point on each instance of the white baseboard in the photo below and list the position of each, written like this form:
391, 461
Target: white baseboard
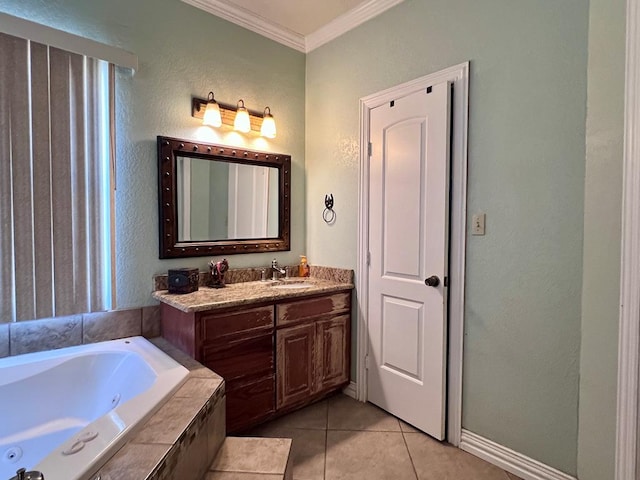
351, 391
505, 458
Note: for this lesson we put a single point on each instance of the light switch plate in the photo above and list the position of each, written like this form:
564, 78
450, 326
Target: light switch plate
477, 224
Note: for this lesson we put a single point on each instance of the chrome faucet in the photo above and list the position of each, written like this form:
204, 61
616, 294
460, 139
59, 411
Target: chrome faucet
275, 270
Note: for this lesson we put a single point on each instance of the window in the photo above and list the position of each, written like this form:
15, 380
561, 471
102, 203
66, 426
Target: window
55, 175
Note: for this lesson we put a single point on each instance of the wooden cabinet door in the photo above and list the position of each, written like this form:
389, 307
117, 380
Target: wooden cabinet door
295, 352
332, 352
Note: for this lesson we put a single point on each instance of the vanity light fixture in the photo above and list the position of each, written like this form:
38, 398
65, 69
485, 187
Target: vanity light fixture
238, 117
242, 122
268, 128
212, 116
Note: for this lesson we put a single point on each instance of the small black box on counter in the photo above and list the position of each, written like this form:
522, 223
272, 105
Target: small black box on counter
183, 280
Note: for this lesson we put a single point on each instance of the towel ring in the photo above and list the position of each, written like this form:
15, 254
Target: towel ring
328, 214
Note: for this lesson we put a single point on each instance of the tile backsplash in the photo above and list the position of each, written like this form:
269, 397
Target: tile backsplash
239, 275
59, 332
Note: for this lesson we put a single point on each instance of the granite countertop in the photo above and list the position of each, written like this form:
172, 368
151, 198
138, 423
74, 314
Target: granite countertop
246, 293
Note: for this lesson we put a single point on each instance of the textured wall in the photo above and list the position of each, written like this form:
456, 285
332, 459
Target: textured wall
182, 52
526, 171
602, 230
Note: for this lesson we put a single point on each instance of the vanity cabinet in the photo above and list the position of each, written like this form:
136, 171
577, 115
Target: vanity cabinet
312, 345
274, 357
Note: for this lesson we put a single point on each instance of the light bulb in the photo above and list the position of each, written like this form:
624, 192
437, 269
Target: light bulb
242, 123
268, 124
212, 115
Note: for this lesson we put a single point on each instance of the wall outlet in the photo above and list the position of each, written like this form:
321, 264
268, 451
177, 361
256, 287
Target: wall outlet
477, 224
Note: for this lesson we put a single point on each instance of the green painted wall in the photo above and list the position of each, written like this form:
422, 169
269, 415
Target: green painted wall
219, 229
532, 286
182, 52
602, 236
200, 200
526, 171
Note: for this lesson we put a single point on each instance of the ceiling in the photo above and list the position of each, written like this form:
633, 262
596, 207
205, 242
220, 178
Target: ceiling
300, 16
300, 24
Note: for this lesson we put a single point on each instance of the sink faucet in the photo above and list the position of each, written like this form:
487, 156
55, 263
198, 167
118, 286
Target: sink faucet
275, 270
22, 474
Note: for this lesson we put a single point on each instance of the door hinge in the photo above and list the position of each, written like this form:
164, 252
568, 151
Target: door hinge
446, 281
370, 147
368, 258
366, 362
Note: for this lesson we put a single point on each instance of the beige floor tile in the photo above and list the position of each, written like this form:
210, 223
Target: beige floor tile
314, 416
252, 455
439, 461
408, 428
307, 450
346, 413
367, 456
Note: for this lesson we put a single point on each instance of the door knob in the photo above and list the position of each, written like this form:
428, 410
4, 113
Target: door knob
432, 281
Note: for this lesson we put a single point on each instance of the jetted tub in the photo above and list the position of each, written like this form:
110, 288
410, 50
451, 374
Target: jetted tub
66, 412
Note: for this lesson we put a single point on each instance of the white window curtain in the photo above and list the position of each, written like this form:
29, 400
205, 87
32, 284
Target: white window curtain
55, 194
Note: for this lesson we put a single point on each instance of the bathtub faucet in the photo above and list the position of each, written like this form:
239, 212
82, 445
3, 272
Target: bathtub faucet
22, 474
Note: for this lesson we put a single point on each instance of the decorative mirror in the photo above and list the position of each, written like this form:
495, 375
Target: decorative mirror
220, 200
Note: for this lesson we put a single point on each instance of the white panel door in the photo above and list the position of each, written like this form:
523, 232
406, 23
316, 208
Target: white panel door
408, 243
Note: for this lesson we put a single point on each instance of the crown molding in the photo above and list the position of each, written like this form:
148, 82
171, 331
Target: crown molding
251, 21
348, 21
280, 34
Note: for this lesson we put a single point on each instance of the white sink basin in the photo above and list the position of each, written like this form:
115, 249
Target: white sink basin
291, 286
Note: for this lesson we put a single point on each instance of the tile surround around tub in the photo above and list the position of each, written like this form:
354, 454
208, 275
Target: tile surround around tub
193, 419
151, 321
4, 340
103, 326
52, 333
48, 334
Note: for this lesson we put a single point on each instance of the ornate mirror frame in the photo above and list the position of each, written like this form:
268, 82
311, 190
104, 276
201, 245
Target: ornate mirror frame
170, 247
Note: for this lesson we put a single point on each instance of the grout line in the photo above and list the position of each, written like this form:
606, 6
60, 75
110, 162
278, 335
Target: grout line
326, 441
326, 445
415, 472
363, 430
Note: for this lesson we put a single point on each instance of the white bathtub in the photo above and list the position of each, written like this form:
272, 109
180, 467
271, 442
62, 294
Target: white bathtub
66, 412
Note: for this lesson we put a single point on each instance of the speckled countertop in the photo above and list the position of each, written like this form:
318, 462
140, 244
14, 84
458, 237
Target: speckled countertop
246, 293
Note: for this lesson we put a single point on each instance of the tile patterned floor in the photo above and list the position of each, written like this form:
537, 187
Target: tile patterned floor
340, 438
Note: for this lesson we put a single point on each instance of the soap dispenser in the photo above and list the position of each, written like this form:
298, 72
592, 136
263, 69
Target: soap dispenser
303, 269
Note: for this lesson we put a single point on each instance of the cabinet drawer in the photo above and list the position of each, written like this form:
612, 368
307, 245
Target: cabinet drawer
249, 403
290, 312
221, 325
241, 357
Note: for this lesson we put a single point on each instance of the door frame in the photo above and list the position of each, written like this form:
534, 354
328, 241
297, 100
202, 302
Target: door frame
627, 440
459, 76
